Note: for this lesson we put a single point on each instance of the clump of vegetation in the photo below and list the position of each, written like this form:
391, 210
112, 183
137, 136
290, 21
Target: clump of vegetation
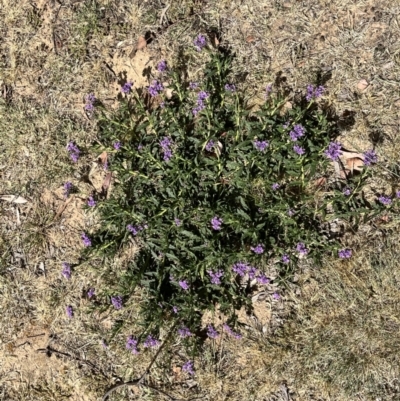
214, 192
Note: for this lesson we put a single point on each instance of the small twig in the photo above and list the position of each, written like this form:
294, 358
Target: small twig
163, 12
37, 335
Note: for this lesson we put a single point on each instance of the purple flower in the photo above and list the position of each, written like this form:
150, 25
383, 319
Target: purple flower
69, 311
240, 268
86, 240
90, 99
175, 309
231, 332
193, 85
66, 271
299, 150
211, 332
140, 147
162, 66
268, 90
260, 145
126, 88
285, 258
334, 150
131, 345
165, 144
178, 222
151, 342
117, 145
133, 229
397, 194
199, 42
276, 295
275, 186
216, 277
184, 284
91, 202
259, 249
230, 87
188, 367
301, 248
90, 293
209, 146
370, 157
297, 132
155, 88
184, 332
345, 253
117, 301
263, 279
346, 191
216, 223
385, 200
290, 212
67, 188
202, 95
314, 92
252, 272
74, 151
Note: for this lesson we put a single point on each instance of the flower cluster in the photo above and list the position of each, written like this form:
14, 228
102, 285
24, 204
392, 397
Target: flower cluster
90, 292
231, 332
259, 249
67, 188
86, 240
275, 186
69, 311
301, 249
345, 253
91, 202
150, 342
299, 150
66, 271
178, 222
211, 332
131, 345
166, 144
117, 301
370, 157
74, 151
230, 87
90, 100
285, 258
117, 145
201, 97
334, 150
136, 229
200, 42
385, 200
209, 146
260, 145
297, 132
216, 276
193, 85
188, 367
162, 66
184, 284
155, 88
126, 88
314, 92
216, 223
240, 268
184, 332
346, 191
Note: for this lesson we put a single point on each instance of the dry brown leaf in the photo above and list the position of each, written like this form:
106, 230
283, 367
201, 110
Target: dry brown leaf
355, 163
320, 182
106, 183
63, 206
250, 39
142, 43
103, 158
13, 199
362, 84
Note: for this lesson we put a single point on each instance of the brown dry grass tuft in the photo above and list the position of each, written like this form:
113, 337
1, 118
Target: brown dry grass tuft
334, 335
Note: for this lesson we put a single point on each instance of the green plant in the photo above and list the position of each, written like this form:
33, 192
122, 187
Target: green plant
215, 191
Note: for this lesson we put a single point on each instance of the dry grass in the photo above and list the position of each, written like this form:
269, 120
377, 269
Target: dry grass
334, 336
